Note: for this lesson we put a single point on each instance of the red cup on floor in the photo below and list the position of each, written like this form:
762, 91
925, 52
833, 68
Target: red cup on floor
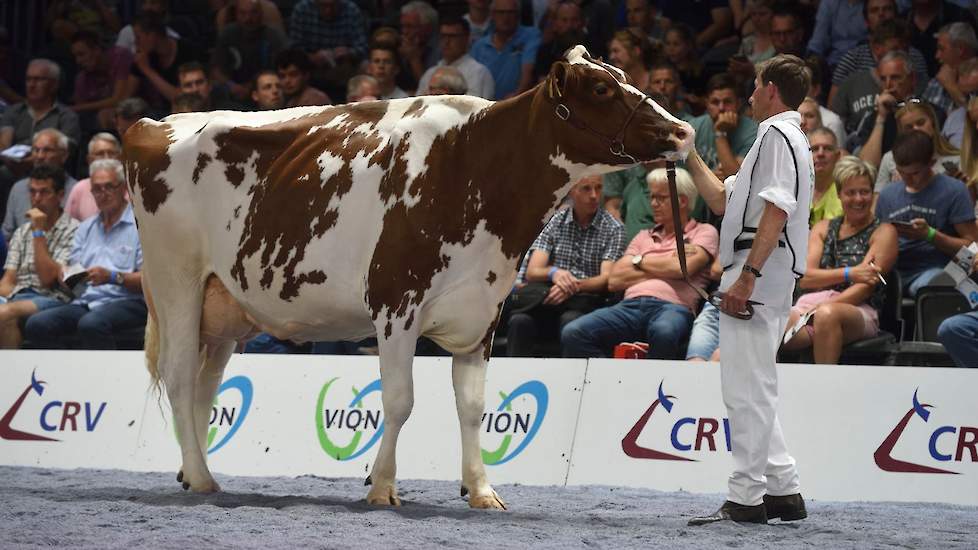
631, 350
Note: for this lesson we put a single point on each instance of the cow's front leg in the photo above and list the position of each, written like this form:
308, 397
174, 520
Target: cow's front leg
469, 379
397, 385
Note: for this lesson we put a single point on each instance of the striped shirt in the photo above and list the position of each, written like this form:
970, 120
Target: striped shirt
20, 257
577, 249
935, 94
310, 32
861, 57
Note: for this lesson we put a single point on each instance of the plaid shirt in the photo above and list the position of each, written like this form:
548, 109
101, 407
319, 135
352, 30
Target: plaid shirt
309, 32
20, 257
935, 94
576, 249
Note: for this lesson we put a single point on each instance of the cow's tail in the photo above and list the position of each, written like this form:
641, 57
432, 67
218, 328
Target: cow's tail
152, 342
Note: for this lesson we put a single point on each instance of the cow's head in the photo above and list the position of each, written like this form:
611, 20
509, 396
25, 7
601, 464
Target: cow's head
608, 120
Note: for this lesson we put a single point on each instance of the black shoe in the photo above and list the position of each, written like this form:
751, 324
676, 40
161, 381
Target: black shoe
788, 507
731, 511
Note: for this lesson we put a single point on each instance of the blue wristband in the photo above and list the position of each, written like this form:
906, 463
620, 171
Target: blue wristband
38, 233
550, 274
112, 277
845, 274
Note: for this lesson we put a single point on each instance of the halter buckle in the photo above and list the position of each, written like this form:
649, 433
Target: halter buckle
562, 112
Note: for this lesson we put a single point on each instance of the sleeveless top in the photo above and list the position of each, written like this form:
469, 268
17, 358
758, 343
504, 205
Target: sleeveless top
849, 252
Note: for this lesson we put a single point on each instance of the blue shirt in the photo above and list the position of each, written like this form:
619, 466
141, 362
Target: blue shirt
115, 250
943, 203
507, 64
839, 27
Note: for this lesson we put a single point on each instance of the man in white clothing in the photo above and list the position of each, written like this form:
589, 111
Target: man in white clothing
454, 36
763, 248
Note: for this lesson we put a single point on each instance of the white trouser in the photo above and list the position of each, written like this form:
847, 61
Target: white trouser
748, 350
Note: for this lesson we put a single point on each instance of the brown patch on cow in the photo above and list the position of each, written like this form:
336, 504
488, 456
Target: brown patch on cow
395, 180
290, 201
203, 159
147, 156
490, 333
416, 109
388, 330
491, 278
410, 321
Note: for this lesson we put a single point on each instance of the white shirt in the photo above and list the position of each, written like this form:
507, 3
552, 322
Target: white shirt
777, 169
477, 77
127, 38
833, 122
396, 93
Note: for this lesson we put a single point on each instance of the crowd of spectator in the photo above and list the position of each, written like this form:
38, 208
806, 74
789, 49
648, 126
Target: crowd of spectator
892, 117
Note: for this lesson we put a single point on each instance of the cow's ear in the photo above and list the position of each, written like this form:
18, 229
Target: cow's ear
557, 81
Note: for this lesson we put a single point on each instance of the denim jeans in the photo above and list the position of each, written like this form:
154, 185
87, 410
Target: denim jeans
663, 325
41, 301
95, 329
913, 281
959, 334
705, 337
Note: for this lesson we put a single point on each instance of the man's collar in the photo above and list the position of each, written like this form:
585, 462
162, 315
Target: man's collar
126, 217
793, 117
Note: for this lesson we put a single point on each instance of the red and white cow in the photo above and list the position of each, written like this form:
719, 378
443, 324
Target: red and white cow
399, 219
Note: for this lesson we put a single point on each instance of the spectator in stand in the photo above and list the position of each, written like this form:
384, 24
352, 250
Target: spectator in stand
384, 66
926, 18
861, 101
478, 19
956, 43
447, 81
246, 46
232, 13
454, 36
664, 81
787, 30
127, 112
50, 146
266, 91
20, 122
334, 34
758, 46
38, 251
188, 102
362, 87
80, 203
419, 47
65, 18
568, 268
629, 51
723, 134
968, 85
103, 80
107, 245
846, 256
959, 334
839, 27
294, 71
969, 150
916, 116
933, 213
509, 51
127, 36
827, 117
811, 117
565, 31
644, 16
193, 80
712, 18
157, 59
704, 337
825, 195
658, 306
680, 50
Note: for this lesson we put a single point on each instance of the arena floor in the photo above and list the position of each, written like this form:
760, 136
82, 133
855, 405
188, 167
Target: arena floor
118, 509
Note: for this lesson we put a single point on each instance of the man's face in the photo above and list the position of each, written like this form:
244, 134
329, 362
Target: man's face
328, 9
44, 197
195, 82
293, 80
145, 41
586, 196
45, 150
102, 149
505, 16
413, 28
878, 11
915, 176
786, 35
723, 100
40, 84
896, 79
880, 49
660, 201
638, 13
108, 191
248, 14
368, 92
568, 18
664, 81
825, 153
382, 66
268, 92
759, 99
86, 57
947, 53
454, 41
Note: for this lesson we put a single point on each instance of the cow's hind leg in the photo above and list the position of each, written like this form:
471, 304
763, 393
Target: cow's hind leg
397, 383
469, 379
208, 381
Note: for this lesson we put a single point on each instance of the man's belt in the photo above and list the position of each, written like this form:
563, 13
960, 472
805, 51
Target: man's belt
747, 244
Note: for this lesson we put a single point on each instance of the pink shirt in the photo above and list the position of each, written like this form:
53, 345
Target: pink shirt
653, 242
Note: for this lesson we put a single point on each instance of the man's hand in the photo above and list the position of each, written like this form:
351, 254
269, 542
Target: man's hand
567, 282
726, 122
916, 231
735, 298
556, 296
885, 104
98, 276
947, 76
38, 219
141, 59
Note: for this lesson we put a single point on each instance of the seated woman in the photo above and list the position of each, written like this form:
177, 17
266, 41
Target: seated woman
846, 256
918, 116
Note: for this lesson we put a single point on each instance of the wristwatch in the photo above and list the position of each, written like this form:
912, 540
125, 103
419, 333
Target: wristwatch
637, 260
118, 278
752, 270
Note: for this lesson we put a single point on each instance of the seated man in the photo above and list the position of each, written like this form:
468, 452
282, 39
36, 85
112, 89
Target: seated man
193, 79
102, 81
266, 91
80, 203
933, 213
659, 305
384, 66
825, 196
107, 245
38, 251
362, 87
454, 36
50, 146
723, 135
294, 71
959, 334
447, 81
569, 265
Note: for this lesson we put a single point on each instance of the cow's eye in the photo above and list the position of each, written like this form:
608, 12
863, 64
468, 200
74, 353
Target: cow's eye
601, 89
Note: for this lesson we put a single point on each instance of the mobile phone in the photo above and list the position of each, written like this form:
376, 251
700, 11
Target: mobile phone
901, 223
950, 167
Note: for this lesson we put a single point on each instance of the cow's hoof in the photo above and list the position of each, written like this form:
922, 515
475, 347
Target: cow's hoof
383, 497
487, 502
367, 482
208, 487
186, 486
180, 477
463, 492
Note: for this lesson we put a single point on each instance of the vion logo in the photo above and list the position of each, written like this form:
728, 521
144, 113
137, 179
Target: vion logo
55, 416
523, 424
945, 444
341, 426
229, 412
687, 433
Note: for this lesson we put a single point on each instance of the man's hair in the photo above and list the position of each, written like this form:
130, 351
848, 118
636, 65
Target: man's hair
722, 81
104, 136
109, 165
913, 147
791, 76
189, 67
50, 172
684, 183
787, 9
456, 22
189, 103
851, 166
424, 10
52, 68
898, 55
88, 38
961, 35
261, 73
133, 107
893, 29
59, 137
449, 78
388, 49
823, 131
293, 56
150, 22
353, 85
866, 8
666, 66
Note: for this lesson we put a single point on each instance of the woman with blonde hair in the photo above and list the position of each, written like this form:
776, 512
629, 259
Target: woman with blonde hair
969, 150
629, 51
811, 117
917, 115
